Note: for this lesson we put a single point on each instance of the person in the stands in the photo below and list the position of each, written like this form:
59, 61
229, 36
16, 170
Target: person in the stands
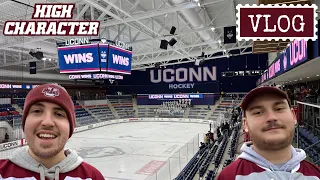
48, 122
270, 122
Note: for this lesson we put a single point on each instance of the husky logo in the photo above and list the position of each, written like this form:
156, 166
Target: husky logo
229, 34
103, 54
50, 92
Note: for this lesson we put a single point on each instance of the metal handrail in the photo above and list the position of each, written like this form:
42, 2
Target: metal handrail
312, 145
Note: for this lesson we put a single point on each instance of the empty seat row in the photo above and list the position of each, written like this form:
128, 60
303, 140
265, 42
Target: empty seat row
307, 138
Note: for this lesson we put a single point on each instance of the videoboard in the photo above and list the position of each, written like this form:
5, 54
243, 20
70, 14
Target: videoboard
100, 56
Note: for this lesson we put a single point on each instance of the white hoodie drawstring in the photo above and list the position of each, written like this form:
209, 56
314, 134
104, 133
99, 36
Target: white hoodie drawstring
42, 177
56, 174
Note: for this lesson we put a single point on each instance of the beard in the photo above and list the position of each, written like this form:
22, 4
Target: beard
46, 152
273, 143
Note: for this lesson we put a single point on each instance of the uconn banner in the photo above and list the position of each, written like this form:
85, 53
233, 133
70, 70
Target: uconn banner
80, 58
183, 78
293, 56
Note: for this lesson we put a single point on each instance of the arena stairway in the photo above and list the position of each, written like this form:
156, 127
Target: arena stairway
186, 112
113, 110
16, 106
213, 108
92, 114
135, 106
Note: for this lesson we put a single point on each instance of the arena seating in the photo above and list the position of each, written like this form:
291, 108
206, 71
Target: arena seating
101, 112
19, 102
306, 139
233, 147
199, 112
191, 168
207, 161
147, 111
83, 117
123, 105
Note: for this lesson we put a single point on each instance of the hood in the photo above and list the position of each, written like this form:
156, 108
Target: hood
22, 158
293, 164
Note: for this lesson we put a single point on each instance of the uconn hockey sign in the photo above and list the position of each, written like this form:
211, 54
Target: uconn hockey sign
183, 78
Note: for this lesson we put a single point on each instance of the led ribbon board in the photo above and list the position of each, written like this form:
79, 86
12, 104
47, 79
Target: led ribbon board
175, 96
79, 58
294, 55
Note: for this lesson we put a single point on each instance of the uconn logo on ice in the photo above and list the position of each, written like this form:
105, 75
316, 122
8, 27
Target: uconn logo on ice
183, 77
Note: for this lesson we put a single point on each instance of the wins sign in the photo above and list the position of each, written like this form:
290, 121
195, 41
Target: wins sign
119, 60
80, 58
94, 58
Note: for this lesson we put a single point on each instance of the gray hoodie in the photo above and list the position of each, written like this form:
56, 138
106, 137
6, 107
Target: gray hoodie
22, 158
282, 171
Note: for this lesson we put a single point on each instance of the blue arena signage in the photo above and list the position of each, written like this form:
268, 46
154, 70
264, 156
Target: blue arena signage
293, 56
180, 75
80, 58
119, 60
94, 58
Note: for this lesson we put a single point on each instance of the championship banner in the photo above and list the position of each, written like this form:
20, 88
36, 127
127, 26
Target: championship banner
230, 34
79, 58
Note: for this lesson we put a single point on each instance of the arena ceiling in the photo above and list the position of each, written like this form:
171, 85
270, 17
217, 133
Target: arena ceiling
140, 23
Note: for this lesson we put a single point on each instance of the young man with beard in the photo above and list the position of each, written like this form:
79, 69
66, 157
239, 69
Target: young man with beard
270, 121
48, 122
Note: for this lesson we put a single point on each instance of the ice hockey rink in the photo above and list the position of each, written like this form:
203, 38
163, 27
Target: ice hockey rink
134, 151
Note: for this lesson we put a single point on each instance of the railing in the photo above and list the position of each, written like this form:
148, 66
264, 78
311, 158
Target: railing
175, 163
308, 117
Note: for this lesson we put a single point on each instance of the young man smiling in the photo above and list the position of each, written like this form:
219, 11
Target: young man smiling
48, 122
270, 121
